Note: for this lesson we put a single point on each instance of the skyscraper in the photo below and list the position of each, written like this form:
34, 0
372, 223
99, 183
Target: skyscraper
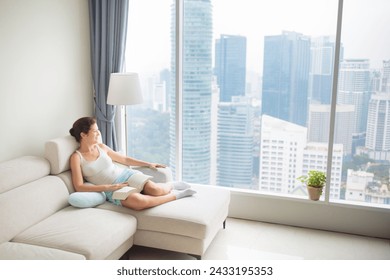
285, 76
321, 69
281, 154
378, 121
165, 77
354, 89
386, 76
235, 143
319, 124
196, 94
230, 66
378, 125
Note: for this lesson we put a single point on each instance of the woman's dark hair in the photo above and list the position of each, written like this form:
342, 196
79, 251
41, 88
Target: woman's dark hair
81, 125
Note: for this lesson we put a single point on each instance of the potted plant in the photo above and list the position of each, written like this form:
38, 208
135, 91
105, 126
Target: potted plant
315, 181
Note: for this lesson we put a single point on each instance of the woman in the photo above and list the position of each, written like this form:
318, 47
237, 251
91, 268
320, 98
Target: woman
94, 162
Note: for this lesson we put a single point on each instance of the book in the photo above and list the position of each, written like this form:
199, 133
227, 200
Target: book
123, 193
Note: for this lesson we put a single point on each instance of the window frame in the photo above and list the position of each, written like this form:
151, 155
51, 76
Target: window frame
326, 210
179, 4
363, 218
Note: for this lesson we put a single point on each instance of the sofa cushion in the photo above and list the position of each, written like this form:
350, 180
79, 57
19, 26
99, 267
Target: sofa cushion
22, 170
20, 251
67, 178
30, 203
91, 232
192, 216
58, 152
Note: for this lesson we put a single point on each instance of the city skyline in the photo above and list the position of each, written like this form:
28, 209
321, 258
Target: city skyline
361, 39
288, 74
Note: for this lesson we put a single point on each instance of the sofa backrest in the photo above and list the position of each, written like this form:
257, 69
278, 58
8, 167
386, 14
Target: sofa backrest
20, 171
28, 194
58, 152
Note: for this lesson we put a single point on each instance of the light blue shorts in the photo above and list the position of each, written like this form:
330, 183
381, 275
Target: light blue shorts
124, 177
137, 182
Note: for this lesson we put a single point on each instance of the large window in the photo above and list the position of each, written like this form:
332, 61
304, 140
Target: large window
363, 103
149, 54
256, 94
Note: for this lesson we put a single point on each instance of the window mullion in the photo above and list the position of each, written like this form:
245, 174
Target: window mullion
179, 89
334, 99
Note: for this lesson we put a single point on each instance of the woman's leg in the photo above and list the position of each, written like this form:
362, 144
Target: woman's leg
137, 201
156, 189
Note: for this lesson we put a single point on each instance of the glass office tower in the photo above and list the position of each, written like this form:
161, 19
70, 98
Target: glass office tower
230, 66
353, 88
321, 69
235, 143
196, 94
377, 144
285, 76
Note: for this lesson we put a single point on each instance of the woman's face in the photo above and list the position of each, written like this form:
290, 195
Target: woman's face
93, 135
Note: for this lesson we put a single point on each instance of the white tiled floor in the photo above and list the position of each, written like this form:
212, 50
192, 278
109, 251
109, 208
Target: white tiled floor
249, 240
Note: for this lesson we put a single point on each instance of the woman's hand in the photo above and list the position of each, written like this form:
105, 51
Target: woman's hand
118, 186
156, 165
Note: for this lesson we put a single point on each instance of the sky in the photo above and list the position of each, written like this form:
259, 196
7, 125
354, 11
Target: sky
365, 30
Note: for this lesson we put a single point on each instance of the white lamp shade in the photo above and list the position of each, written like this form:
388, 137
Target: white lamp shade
124, 89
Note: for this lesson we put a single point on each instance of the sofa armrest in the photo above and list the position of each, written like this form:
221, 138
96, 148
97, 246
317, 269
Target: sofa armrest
160, 175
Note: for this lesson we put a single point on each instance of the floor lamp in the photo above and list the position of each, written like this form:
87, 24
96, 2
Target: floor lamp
124, 89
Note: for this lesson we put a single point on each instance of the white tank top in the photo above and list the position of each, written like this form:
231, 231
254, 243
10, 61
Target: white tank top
100, 171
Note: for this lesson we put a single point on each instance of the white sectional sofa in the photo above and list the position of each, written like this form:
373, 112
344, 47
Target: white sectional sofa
37, 221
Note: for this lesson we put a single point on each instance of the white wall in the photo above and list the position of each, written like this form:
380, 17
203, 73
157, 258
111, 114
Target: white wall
45, 72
